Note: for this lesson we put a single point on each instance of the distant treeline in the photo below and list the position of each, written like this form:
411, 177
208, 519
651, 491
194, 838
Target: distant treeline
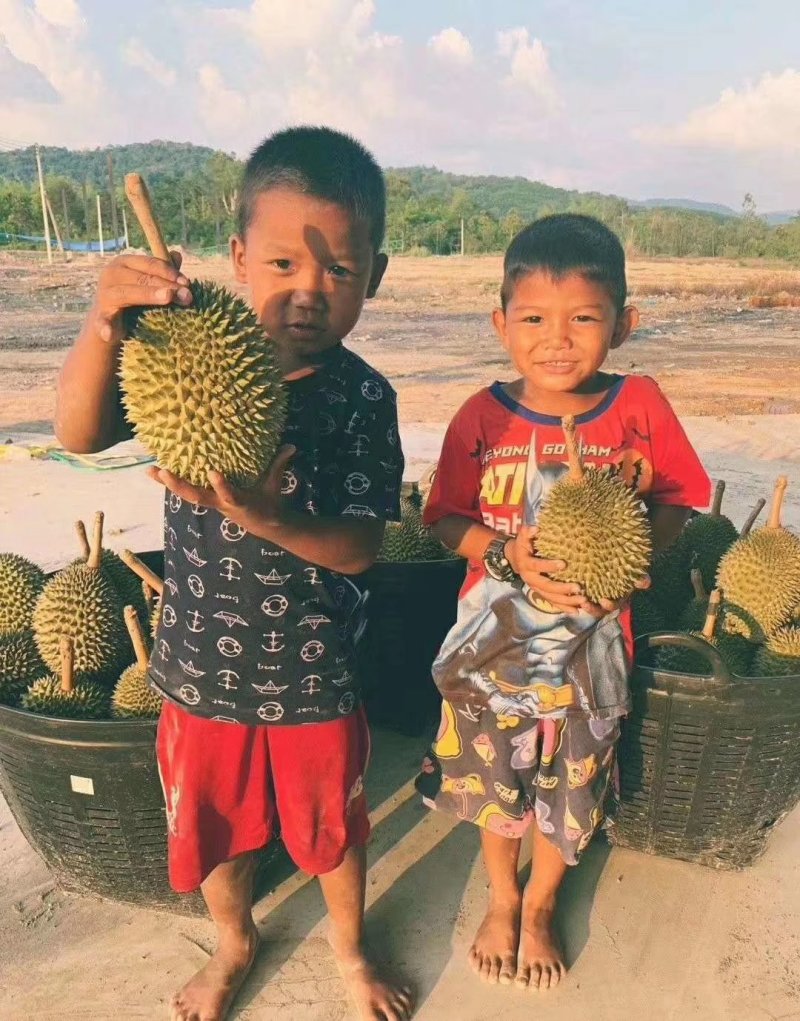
195, 191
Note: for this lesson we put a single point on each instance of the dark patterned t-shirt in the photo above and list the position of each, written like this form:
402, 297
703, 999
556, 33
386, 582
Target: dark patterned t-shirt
249, 632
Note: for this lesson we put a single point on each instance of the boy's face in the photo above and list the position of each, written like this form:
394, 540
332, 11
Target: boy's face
559, 332
309, 265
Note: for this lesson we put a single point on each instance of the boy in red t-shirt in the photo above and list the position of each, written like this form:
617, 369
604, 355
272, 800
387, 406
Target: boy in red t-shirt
535, 677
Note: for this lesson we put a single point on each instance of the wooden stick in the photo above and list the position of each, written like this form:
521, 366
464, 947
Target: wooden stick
714, 601
137, 637
149, 597
67, 665
83, 539
719, 492
751, 520
139, 198
777, 502
96, 551
143, 571
573, 453
697, 584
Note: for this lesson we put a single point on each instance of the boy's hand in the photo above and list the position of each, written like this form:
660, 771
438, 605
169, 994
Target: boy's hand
129, 281
251, 508
606, 606
535, 572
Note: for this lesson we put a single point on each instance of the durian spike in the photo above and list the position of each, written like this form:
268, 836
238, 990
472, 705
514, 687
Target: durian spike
139, 198
149, 597
697, 584
751, 518
714, 601
67, 664
573, 454
83, 539
96, 550
777, 502
143, 571
137, 638
716, 506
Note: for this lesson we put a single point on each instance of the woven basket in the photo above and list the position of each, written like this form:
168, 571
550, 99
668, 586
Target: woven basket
708, 765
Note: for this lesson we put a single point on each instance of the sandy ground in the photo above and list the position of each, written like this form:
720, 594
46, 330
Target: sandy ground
646, 937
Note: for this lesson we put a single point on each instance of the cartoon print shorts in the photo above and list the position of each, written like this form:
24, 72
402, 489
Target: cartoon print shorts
504, 772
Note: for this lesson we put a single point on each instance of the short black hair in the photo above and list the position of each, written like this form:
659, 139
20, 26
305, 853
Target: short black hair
567, 243
326, 164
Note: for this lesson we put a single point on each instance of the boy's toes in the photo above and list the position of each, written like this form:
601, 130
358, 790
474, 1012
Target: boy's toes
486, 968
508, 969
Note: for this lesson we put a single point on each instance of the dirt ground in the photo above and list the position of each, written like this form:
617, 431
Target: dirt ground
645, 937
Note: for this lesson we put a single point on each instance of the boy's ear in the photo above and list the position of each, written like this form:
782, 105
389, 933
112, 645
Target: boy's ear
627, 321
379, 264
237, 258
499, 323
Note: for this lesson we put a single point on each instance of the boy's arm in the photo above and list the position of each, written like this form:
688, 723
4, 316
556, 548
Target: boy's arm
89, 415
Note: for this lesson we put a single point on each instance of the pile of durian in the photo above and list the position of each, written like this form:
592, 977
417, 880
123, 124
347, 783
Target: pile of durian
739, 591
71, 645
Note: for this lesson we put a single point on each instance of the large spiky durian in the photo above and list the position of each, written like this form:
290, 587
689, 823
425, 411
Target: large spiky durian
133, 697
595, 523
708, 537
780, 654
410, 539
646, 615
760, 577
670, 577
202, 389
64, 695
20, 585
80, 603
735, 652
123, 580
694, 613
20, 665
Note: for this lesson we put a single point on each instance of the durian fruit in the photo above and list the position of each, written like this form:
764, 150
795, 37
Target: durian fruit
80, 603
736, 653
202, 389
410, 539
20, 585
760, 576
595, 523
65, 696
780, 654
125, 582
151, 583
646, 614
133, 697
694, 613
20, 665
708, 537
670, 577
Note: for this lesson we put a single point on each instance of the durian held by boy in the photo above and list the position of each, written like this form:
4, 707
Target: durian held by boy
254, 653
534, 674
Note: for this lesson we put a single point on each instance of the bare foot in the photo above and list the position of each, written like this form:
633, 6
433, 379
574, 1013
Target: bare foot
540, 963
493, 955
208, 995
374, 998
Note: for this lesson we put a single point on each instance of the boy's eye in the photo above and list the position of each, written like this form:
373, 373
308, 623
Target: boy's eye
585, 319
532, 319
340, 271
281, 263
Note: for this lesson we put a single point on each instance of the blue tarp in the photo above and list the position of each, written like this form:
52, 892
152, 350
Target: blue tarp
109, 244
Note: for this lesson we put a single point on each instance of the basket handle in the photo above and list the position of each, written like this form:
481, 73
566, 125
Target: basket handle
719, 676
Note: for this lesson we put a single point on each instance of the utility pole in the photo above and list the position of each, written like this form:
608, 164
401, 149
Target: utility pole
55, 225
44, 206
67, 227
462, 235
125, 228
100, 224
184, 239
114, 225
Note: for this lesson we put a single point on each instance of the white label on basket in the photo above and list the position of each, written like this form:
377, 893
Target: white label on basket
82, 784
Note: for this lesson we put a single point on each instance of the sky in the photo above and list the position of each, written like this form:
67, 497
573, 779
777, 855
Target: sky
686, 99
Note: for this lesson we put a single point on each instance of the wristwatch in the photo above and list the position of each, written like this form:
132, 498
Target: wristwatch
497, 564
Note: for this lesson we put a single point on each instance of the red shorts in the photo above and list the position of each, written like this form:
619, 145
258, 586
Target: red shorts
224, 784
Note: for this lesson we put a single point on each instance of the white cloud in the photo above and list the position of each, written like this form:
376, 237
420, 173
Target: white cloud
529, 64
452, 46
222, 107
63, 13
136, 54
764, 116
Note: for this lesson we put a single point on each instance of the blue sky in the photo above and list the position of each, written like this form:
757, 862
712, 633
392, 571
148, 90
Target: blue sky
692, 99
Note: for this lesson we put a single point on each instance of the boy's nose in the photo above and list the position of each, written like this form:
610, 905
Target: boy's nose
309, 289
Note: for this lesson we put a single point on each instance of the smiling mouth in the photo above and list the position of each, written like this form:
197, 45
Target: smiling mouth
559, 365
307, 328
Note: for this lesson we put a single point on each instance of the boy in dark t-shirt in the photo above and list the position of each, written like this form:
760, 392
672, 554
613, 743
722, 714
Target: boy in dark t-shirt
254, 652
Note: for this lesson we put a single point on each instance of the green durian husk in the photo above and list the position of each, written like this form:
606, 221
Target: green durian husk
410, 539
122, 579
133, 697
708, 538
671, 584
202, 389
20, 585
760, 580
88, 700
20, 665
736, 653
780, 655
646, 615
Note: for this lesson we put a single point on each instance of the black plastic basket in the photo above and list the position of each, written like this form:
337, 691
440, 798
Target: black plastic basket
410, 609
708, 765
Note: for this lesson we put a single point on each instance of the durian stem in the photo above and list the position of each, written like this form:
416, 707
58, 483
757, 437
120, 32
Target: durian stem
719, 492
777, 502
67, 664
751, 519
573, 453
143, 571
139, 198
83, 539
710, 625
137, 638
697, 584
96, 550
149, 597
